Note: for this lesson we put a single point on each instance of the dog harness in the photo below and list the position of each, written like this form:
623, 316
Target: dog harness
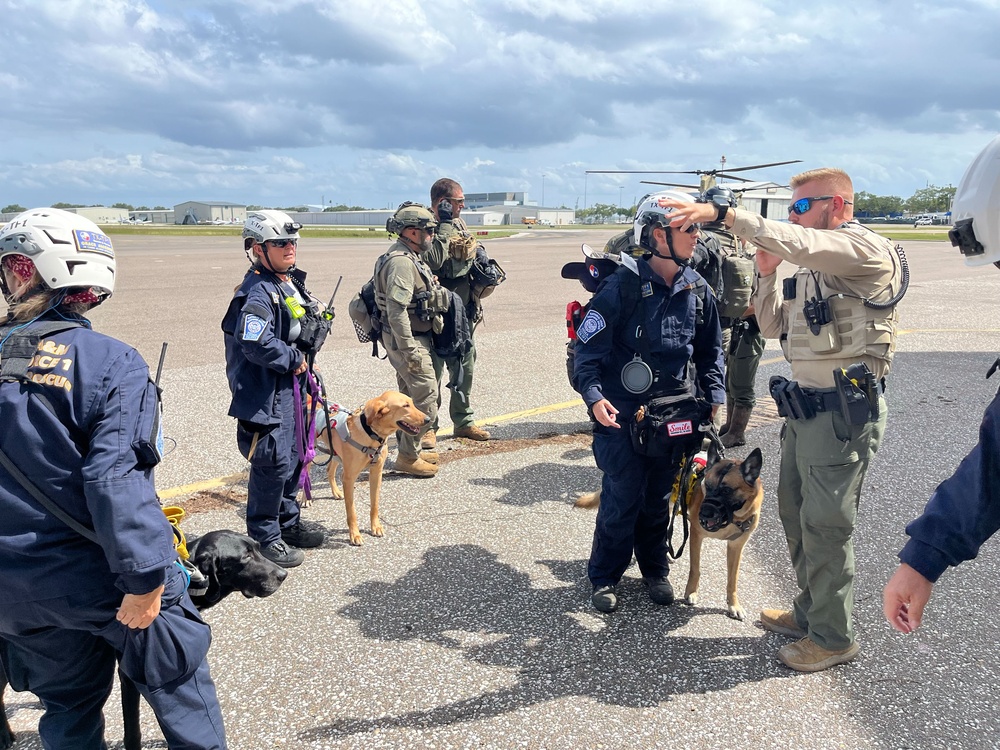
338, 421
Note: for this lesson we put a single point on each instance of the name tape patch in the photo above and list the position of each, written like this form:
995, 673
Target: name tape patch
593, 323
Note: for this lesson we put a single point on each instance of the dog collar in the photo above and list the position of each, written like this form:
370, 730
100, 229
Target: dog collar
371, 451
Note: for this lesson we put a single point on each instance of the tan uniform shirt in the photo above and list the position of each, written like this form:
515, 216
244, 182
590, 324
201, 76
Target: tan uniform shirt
851, 259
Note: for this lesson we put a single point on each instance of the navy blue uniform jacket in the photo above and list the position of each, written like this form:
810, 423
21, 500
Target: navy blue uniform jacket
964, 510
607, 339
259, 359
81, 454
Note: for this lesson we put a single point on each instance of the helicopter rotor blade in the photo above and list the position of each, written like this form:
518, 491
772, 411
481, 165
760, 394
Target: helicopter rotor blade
669, 184
761, 166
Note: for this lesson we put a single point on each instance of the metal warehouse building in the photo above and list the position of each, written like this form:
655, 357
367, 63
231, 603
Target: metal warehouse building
210, 212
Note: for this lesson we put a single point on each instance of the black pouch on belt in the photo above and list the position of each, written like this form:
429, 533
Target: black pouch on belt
858, 393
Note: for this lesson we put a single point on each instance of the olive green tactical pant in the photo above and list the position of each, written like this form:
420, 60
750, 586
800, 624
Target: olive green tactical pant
742, 358
823, 464
420, 385
459, 405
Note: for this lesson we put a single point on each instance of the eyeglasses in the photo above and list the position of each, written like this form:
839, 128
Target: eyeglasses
293, 241
458, 201
429, 230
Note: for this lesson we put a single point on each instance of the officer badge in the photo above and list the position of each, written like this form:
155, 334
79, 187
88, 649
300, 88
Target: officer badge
647, 289
591, 325
253, 327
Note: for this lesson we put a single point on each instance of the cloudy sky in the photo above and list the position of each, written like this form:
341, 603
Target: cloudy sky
288, 102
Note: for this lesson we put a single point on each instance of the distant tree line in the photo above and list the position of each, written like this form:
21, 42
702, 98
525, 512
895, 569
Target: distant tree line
931, 199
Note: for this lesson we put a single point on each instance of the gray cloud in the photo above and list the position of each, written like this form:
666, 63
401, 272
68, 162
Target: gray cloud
329, 82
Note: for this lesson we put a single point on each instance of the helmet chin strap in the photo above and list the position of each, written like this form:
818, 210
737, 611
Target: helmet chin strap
681, 262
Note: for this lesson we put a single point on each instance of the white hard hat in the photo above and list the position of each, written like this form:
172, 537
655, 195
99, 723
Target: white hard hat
265, 225
651, 211
975, 211
68, 250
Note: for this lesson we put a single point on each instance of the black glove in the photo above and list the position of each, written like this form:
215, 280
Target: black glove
445, 211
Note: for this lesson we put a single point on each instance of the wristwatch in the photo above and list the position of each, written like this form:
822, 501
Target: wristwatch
721, 210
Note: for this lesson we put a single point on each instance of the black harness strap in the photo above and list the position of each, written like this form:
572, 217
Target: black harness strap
45, 500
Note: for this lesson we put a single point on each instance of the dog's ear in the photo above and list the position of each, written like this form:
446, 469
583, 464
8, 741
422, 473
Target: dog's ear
206, 560
713, 455
374, 409
750, 468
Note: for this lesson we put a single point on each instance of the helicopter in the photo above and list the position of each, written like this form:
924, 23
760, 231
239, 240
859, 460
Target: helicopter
707, 177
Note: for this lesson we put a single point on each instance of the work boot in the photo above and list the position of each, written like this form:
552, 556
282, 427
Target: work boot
737, 426
781, 621
302, 537
808, 656
729, 418
281, 554
661, 591
604, 598
415, 467
429, 441
430, 457
472, 432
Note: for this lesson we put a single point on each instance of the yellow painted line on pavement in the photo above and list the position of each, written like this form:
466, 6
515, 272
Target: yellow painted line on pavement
208, 484
211, 484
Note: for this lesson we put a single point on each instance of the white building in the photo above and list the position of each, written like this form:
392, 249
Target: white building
210, 212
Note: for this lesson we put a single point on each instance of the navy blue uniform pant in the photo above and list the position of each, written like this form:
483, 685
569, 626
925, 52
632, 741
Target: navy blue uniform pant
274, 477
634, 512
64, 650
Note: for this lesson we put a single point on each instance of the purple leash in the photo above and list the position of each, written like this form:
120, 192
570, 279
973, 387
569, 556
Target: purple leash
305, 435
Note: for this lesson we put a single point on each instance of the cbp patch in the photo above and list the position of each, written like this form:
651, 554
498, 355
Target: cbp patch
591, 325
253, 327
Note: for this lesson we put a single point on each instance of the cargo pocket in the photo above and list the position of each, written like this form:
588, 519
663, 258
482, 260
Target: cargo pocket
170, 649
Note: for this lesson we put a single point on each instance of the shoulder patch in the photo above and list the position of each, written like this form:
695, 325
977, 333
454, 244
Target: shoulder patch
591, 325
253, 327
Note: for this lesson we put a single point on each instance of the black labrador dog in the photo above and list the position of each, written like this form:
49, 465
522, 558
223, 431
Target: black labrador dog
230, 562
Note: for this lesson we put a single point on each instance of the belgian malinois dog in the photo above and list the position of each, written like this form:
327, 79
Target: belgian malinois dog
724, 505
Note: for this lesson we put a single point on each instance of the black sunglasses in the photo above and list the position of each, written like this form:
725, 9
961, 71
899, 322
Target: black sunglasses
293, 241
690, 230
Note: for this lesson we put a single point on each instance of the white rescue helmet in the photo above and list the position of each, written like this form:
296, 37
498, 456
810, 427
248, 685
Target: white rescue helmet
651, 212
265, 225
975, 211
69, 251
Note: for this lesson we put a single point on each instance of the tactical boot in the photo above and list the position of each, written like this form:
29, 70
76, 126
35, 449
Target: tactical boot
429, 441
415, 467
472, 432
661, 591
729, 418
280, 553
734, 436
781, 621
430, 457
808, 656
604, 598
302, 537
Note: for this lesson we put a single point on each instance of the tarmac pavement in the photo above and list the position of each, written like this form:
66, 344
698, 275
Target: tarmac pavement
469, 625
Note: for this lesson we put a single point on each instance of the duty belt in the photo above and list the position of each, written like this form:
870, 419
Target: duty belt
796, 402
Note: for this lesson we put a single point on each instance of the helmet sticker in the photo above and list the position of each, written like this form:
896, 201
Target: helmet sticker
592, 324
93, 242
253, 327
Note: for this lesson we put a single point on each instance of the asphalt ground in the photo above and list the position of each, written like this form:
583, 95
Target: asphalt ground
469, 625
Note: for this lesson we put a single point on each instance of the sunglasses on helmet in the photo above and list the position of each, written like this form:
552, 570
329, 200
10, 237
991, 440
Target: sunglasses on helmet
293, 241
